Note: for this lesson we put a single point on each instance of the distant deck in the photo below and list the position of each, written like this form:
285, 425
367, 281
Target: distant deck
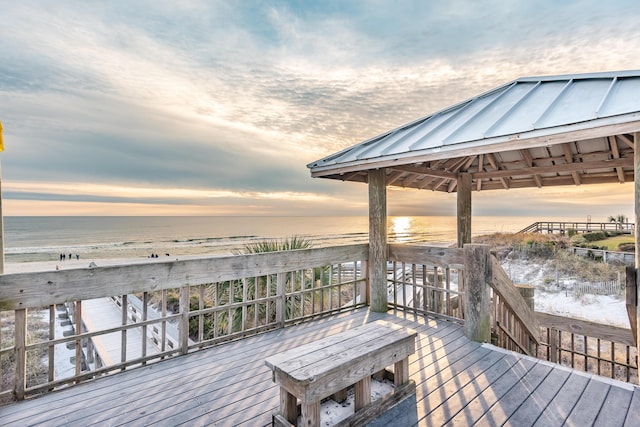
458, 382
563, 227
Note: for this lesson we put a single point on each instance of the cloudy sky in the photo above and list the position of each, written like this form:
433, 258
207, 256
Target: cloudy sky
215, 107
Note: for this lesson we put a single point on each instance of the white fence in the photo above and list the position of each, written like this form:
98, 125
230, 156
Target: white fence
613, 287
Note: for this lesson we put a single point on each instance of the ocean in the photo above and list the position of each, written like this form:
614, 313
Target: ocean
41, 238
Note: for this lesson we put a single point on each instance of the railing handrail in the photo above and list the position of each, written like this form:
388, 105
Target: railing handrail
41, 289
586, 328
505, 288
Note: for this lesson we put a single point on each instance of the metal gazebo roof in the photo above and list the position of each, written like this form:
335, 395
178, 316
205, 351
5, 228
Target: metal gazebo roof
532, 132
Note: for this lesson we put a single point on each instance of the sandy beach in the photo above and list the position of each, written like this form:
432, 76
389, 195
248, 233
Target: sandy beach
37, 266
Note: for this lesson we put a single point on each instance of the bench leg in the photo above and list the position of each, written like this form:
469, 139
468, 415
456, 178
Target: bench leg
362, 393
311, 414
401, 372
288, 406
340, 396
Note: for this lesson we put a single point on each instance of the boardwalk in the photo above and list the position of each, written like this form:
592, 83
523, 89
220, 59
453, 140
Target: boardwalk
458, 382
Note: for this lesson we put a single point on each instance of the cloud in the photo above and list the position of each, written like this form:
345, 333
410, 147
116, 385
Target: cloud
239, 97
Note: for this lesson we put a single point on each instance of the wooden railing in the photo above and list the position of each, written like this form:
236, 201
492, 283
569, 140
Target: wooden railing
171, 308
205, 300
592, 347
431, 280
580, 227
427, 280
514, 323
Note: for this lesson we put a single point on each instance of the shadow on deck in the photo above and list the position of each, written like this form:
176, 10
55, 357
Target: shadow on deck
458, 382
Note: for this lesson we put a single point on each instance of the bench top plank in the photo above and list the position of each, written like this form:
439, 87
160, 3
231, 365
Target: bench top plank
323, 367
290, 360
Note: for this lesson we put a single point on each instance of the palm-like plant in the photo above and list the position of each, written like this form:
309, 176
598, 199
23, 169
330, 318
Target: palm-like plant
619, 220
256, 288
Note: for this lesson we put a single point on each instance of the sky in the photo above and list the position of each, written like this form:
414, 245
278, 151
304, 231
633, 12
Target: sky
216, 107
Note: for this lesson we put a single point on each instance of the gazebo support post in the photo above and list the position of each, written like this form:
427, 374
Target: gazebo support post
378, 240
464, 209
636, 184
477, 297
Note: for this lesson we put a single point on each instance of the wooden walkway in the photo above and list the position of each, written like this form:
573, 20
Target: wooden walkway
458, 383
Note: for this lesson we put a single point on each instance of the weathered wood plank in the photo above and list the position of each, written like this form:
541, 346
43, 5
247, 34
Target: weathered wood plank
614, 409
477, 411
557, 411
584, 327
538, 400
500, 411
40, 289
510, 295
471, 390
428, 255
445, 385
587, 408
633, 416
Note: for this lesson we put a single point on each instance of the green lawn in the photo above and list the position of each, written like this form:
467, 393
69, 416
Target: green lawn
612, 242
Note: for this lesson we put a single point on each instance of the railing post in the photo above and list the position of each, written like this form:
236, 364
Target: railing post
77, 318
632, 301
123, 335
281, 282
528, 294
477, 295
184, 319
21, 353
553, 345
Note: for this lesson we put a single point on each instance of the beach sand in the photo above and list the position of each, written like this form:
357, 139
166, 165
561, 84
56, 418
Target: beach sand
38, 266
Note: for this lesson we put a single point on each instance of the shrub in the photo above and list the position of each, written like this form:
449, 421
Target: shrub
595, 236
627, 247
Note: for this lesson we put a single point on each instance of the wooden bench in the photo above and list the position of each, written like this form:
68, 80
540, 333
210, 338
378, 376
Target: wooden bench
332, 364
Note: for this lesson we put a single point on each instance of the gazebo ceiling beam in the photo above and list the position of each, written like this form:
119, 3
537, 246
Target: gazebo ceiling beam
480, 168
528, 159
626, 140
425, 171
568, 156
497, 165
394, 176
616, 155
583, 166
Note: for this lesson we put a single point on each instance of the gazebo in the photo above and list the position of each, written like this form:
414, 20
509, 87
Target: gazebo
532, 132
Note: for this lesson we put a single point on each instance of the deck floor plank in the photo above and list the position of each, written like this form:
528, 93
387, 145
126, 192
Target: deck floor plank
480, 405
481, 377
538, 400
560, 407
633, 416
500, 412
587, 408
458, 383
614, 409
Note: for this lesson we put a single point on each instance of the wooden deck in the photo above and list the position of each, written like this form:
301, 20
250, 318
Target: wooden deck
458, 382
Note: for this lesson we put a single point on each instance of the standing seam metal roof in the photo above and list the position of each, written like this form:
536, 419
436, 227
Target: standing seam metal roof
535, 109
